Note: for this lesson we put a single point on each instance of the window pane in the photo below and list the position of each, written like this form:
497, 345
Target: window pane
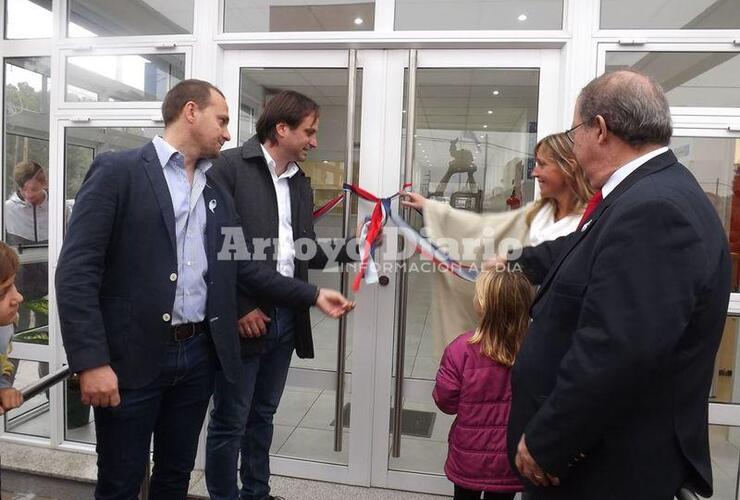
479, 14
689, 78
122, 77
18, 13
670, 14
132, 17
26, 210
79, 425
82, 144
292, 15
712, 161
32, 417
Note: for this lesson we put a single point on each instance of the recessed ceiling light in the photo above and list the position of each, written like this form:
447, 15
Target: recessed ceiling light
358, 20
326, 161
496, 92
521, 18
485, 126
490, 111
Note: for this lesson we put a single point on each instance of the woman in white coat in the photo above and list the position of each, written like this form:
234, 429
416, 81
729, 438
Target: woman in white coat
564, 193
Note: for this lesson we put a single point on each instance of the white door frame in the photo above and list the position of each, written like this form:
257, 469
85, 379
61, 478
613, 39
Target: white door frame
389, 90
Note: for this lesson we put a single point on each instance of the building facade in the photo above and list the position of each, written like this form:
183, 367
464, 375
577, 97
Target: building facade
450, 95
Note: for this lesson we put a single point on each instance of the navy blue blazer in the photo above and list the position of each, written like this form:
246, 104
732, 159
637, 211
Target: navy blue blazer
611, 384
114, 289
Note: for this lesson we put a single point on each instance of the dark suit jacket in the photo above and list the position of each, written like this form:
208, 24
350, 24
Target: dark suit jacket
611, 384
113, 278
244, 174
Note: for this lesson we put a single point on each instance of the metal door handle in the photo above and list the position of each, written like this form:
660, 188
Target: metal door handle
344, 285
402, 275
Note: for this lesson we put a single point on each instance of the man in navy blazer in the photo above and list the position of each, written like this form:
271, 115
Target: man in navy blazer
610, 387
147, 299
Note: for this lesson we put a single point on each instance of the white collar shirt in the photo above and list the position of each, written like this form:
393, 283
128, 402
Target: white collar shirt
622, 172
286, 246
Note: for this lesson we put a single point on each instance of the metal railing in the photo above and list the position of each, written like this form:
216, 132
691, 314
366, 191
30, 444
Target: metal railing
43, 384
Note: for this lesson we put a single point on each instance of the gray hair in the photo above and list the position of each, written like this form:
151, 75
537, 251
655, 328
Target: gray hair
633, 106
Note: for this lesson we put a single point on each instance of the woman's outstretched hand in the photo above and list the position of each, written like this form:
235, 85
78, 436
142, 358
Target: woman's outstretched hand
413, 200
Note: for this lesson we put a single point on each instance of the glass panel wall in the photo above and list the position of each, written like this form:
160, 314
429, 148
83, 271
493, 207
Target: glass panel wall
670, 14
479, 15
19, 12
304, 423
26, 208
706, 79
292, 15
475, 132
116, 78
89, 18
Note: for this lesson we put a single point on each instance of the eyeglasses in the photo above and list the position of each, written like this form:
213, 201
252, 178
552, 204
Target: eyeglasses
569, 132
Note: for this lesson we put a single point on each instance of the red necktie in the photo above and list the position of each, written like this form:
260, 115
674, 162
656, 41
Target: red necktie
590, 207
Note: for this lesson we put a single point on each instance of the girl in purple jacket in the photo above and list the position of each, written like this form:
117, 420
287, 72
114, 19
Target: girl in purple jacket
474, 382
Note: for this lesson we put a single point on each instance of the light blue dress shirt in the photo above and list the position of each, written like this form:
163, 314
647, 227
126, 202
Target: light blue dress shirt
190, 232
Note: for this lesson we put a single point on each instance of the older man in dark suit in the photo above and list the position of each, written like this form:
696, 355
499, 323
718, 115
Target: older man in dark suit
611, 384
147, 299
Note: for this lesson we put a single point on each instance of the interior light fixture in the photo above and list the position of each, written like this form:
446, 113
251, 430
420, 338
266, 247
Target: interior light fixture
496, 92
490, 111
485, 126
359, 21
522, 17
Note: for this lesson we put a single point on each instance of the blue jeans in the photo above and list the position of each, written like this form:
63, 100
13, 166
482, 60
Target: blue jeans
241, 419
172, 408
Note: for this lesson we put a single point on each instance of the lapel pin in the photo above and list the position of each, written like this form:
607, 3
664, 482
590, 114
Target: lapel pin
212, 205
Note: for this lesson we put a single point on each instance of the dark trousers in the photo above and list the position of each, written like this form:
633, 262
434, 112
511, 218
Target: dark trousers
241, 419
172, 408
465, 494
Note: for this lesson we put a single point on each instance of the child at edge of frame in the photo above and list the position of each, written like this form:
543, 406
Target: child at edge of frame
10, 300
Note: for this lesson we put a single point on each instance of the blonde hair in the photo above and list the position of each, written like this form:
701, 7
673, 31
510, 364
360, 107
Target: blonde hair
559, 148
503, 299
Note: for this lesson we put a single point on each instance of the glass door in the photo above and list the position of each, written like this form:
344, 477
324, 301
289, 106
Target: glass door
316, 421
468, 123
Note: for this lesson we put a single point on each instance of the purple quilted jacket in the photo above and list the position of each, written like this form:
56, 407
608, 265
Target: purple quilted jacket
478, 390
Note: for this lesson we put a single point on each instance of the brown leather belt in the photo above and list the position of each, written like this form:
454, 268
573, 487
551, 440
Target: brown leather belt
186, 331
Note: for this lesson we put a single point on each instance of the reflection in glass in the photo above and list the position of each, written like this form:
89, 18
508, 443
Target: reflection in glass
292, 15
139, 17
17, 16
475, 132
82, 144
116, 78
670, 14
311, 436
31, 418
26, 206
689, 78
478, 15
